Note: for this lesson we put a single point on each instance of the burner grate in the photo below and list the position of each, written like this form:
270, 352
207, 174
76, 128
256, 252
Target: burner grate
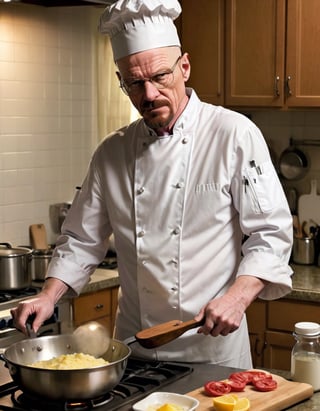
8, 295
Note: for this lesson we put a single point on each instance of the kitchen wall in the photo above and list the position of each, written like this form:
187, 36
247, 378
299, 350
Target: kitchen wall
47, 111
279, 126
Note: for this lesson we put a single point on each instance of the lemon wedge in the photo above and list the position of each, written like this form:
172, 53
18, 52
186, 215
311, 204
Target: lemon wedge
243, 404
231, 402
225, 402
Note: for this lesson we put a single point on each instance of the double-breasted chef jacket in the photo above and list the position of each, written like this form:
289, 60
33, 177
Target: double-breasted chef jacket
190, 212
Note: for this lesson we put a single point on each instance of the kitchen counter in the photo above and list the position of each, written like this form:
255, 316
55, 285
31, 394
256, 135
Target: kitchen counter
101, 279
200, 375
306, 283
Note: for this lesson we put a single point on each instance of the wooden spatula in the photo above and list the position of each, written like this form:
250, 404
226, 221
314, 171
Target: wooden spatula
163, 333
38, 237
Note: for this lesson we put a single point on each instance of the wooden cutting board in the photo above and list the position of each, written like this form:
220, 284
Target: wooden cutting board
287, 394
38, 236
309, 207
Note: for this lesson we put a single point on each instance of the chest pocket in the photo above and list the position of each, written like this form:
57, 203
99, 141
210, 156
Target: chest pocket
262, 186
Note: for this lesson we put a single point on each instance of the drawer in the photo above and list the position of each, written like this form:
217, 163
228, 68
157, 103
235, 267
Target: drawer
282, 315
89, 307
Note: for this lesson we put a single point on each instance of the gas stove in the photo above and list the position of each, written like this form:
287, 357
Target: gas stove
140, 378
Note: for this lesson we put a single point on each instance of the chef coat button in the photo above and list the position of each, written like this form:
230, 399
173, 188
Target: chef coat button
180, 185
141, 233
185, 141
140, 190
144, 262
176, 231
174, 261
174, 289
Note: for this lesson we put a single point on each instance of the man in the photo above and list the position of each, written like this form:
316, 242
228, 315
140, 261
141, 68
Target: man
200, 221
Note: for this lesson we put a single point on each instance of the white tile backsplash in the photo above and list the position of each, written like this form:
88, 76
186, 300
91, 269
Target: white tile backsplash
47, 121
279, 126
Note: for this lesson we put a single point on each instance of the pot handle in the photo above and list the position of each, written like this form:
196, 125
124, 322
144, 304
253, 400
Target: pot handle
7, 245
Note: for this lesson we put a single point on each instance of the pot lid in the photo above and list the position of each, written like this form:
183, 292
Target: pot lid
13, 251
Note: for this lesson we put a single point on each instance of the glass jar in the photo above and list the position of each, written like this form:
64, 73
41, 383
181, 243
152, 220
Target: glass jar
305, 356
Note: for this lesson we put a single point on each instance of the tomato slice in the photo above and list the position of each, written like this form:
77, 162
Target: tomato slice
237, 385
265, 384
216, 388
239, 376
258, 377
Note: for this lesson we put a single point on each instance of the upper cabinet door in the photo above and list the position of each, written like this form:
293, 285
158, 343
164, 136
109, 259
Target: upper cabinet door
255, 52
303, 53
202, 36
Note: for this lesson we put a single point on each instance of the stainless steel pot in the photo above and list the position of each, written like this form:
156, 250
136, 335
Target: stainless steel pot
39, 264
303, 251
15, 264
63, 384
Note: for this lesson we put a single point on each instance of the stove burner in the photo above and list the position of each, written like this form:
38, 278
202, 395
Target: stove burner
8, 295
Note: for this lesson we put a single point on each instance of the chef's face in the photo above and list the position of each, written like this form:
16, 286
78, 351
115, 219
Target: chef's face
140, 73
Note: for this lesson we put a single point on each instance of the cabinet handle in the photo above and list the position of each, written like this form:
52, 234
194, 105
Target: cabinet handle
99, 307
257, 344
289, 92
276, 86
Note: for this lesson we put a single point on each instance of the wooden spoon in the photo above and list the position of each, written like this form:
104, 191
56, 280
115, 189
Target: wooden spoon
163, 333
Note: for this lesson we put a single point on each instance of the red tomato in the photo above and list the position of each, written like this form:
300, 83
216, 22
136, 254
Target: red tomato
257, 377
237, 385
265, 384
239, 376
216, 388
254, 374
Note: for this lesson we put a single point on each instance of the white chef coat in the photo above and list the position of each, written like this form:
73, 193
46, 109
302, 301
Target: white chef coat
179, 207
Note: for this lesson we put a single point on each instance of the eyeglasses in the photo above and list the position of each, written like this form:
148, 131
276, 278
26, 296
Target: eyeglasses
159, 80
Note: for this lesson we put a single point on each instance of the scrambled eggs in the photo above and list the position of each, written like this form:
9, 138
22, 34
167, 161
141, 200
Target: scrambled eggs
70, 362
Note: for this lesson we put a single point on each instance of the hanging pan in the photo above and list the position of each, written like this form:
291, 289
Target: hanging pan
293, 163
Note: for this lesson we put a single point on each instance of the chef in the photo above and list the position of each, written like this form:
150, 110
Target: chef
200, 222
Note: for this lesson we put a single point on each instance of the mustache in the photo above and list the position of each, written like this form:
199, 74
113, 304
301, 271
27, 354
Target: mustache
146, 105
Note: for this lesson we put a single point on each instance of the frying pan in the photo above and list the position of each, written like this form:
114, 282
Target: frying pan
293, 163
75, 384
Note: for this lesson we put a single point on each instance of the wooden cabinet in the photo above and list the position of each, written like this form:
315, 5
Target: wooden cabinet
96, 306
303, 57
202, 36
270, 53
271, 325
257, 323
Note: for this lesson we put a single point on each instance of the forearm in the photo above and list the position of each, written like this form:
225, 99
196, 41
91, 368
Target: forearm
245, 290
54, 289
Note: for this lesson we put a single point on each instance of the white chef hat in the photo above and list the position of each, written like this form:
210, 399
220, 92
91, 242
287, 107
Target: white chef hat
138, 25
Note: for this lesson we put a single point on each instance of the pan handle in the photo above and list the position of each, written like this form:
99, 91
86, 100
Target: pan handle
130, 340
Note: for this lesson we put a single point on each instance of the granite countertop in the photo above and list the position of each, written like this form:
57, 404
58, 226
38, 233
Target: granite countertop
306, 283
101, 279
